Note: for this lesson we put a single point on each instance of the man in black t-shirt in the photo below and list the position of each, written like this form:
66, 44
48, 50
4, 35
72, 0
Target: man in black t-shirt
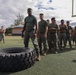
68, 33
42, 34
30, 32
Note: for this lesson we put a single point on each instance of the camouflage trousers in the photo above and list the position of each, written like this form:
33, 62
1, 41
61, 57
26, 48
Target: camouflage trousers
68, 38
2, 36
52, 41
31, 35
62, 38
42, 40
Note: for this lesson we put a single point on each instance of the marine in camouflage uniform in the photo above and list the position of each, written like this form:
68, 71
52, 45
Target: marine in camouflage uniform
74, 36
62, 35
42, 34
53, 27
68, 33
2, 34
30, 31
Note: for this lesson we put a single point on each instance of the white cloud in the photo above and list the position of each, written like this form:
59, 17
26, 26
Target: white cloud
10, 8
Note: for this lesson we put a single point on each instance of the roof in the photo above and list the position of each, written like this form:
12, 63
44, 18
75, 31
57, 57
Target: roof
19, 26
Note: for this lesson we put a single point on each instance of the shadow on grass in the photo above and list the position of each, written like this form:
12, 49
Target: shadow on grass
4, 73
74, 61
66, 50
61, 51
8, 73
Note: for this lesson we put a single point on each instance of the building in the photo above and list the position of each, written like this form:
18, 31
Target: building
17, 30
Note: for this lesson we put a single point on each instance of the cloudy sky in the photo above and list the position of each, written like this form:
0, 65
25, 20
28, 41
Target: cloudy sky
61, 9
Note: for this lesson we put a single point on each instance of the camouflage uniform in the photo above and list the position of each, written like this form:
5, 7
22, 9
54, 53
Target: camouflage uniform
2, 35
30, 22
41, 32
52, 36
62, 35
68, 35
73, 35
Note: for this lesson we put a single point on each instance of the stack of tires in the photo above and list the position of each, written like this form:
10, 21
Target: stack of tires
16, 59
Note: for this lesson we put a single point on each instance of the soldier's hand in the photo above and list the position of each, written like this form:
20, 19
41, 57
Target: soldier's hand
45, 35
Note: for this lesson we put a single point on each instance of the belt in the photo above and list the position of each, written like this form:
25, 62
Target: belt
52, 33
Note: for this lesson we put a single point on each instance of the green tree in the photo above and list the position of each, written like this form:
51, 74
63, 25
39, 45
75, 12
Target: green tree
19, 20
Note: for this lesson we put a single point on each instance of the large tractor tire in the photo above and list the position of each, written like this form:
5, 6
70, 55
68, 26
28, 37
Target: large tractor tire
16, 59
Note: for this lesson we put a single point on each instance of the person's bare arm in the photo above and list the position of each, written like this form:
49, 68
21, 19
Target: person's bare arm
46, 30
36, 28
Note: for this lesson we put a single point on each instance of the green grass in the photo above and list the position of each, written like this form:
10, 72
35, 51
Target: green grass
53, 64
12, 41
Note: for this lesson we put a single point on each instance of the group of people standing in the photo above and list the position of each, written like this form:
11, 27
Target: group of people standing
59, 34
55, 35
2, 34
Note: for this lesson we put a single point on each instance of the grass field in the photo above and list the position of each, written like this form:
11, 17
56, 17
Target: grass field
53, 64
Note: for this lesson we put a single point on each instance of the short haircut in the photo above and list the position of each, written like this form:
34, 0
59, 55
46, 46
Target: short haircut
47, 20
53, 18
29, 9
62, 20
41, 14
67, 22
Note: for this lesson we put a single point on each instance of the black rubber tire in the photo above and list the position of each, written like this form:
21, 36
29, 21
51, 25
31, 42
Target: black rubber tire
16, 59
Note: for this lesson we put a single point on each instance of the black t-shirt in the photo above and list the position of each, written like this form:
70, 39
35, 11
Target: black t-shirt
30, 23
